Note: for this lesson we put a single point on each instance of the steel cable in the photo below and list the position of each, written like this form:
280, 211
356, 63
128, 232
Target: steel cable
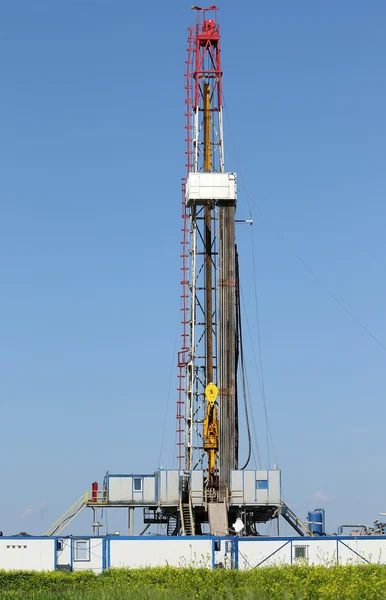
240, 335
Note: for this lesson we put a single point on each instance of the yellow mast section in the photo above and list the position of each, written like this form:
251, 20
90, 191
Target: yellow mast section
211, 391
207, 151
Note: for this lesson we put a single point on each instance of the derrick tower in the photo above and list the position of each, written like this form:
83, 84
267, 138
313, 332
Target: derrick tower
209, 491
207, 420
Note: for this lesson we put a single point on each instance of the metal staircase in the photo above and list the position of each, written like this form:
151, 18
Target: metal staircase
288, 514
172, 527
68, 516
187, 519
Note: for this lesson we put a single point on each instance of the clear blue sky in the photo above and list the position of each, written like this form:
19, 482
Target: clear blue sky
92, 152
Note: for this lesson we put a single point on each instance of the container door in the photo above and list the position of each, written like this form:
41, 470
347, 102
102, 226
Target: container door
224, 554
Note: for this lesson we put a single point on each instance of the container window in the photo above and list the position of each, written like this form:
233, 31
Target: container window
81, 550
59, 545
261, 484
301, 552
138, 484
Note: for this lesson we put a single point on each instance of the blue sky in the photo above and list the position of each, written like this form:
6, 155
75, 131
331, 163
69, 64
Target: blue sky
92, 152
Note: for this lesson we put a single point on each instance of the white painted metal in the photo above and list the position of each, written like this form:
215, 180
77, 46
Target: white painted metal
314, 551
358, 551
221, 140
189, 392
169, 487
149, 489
27, 554
41, 554
195, 140
224, 554
177, 552
274, 485
95, 558
121, 489
265, 553
63, 554
317, 551
204, 187
130, 521
197, 487
245, 488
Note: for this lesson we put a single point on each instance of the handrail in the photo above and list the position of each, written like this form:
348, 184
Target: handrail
96, 497
89, 498
192, 517
294, 520
68, 516
182, 519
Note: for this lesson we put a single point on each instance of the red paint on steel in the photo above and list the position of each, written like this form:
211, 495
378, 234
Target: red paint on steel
94, 493
183, 355
202, 63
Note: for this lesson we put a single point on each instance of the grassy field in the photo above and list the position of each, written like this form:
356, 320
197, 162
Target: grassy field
271, 583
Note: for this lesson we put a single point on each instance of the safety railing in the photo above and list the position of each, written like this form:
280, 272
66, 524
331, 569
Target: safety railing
90, 498
236, 496
294, 520
67, 517
96, 497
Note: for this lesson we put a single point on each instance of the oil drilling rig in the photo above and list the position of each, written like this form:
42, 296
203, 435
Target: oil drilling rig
209, 492
207, 408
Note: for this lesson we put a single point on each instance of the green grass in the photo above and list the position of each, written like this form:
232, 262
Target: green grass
366, 582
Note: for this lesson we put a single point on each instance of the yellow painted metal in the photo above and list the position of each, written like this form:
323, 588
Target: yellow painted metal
96, 498
207, 150
211, 392
211, 427
300, 523
68, 516
208, 243
87, 499
211, 437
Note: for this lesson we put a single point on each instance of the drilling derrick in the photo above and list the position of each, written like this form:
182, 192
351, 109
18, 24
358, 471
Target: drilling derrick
212, 488
208, 359
208, 491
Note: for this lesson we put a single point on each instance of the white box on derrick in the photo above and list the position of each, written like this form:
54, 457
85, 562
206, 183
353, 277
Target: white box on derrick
204, 187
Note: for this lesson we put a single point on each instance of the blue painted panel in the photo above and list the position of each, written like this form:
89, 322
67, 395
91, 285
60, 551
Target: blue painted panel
104, 543
55, 555
152, 538
261, 484
236, 556
132, 475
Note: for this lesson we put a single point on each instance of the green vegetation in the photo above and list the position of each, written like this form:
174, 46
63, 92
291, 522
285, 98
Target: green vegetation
366, 582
